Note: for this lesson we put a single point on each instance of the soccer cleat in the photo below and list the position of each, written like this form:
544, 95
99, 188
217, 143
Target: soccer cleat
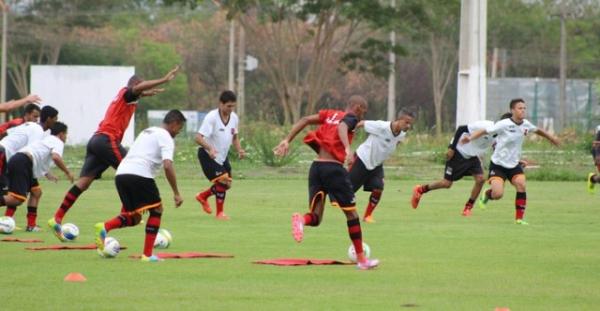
56, 228
297, 227
100, 236
482, 202
222, 216
367, 264
204, 203
416, 196
33, 229
152, 258
521, 222
369, 219
466, 212
590, 183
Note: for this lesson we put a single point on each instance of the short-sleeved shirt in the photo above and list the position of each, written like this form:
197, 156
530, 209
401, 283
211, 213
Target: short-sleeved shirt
21, 136
119, 113
480, 145
326, 135
380, 144
145, 157
10, 124
598, 133
219, 134
41, 153
509, 141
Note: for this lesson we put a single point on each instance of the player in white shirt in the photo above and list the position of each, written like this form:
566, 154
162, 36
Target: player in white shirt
505, 163
594, 178
218, 132
367, 168
461, 161
153, 149
17, 138
30, 163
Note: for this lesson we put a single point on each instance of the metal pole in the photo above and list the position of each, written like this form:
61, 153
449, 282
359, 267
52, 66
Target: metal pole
589, 106
535, 102
231, 55
3, 66
241, 99
562, 103
391, 104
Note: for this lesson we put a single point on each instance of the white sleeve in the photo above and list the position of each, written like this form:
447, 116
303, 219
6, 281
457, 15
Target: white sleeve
206, 129
496, 128
167, 146
55, 145
236, 125
376, 127
530, 126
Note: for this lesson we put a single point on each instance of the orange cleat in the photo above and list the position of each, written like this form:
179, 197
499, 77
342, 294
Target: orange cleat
466, 212
222, 216
297, 227
416, 196
204, 202
369, 219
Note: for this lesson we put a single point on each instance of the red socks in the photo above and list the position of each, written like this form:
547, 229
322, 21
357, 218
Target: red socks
10, 211
220, 191
520, 204
373, 201
31, 216
152, 227
67, 202
355, 235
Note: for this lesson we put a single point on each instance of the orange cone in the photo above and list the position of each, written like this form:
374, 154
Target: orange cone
75, 277
501, 309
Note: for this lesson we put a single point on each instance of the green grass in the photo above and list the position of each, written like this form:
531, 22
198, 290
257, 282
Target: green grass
432, 258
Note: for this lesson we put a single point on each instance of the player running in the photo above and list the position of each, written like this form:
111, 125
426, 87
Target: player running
153, 148
367, 169
505, 160
104, 148
331, 140
462, 160
594, 178
218, 132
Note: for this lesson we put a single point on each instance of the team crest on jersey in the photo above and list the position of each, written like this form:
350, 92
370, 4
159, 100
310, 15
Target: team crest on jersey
232, 131
449, 171
526, 131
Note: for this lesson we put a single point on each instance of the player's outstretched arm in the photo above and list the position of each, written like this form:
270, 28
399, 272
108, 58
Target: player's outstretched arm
553, 139
61, 165
283, 147
139, 88
14, 104
172, 179
473, 136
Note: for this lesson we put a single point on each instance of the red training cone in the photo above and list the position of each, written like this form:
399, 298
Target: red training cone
75, 277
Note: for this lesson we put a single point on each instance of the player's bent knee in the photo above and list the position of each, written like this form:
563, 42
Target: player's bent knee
136, 219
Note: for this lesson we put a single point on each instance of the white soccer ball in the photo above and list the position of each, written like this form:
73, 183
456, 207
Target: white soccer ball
352, 251
7, 225
163, 239
70, 231
111, 248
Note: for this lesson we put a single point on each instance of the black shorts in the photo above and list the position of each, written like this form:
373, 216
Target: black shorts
498, 171
213, 170
458, 167
137, 192
360, 176
331, 179
3, 164
20, 176
101, 152
596, 155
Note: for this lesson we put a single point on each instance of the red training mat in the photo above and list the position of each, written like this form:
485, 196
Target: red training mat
22, 240
302, 262
187, 255
64, 247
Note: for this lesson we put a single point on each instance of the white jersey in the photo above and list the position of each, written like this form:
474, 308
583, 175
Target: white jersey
478, 146
218, 134
41, 153
21, 136
145, 157
380, 144
509, 141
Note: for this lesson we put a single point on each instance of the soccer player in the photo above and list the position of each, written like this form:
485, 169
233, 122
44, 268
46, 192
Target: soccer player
16, 103
152, 149
331, 141
462, 160
367, 169
216, 134
594, 178
30, 163
104, 149
504, 165
31, 114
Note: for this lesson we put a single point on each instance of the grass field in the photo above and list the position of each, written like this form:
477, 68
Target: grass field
431, 258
